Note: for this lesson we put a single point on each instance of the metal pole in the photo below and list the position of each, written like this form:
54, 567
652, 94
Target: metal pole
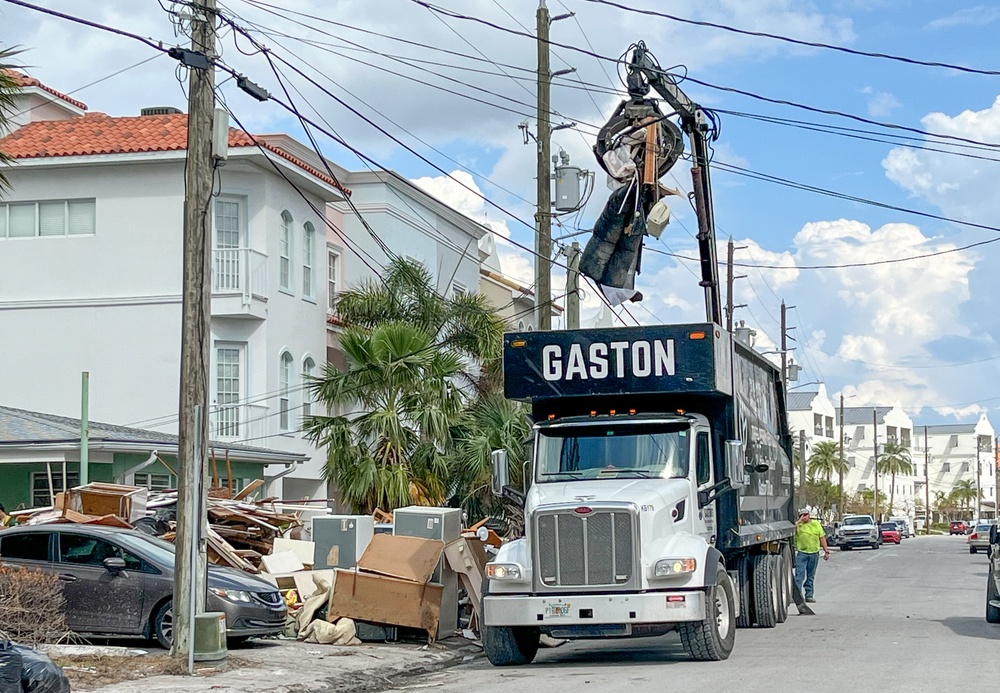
729, 286
802, 463
195, 331
784, 352
543, 200
979, 492
573, 286
840, 483
875, 453
927, 485
84, 431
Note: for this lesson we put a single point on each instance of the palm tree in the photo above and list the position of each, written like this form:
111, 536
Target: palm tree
895, 459
825, 460
408, 351
9, 88
964, 493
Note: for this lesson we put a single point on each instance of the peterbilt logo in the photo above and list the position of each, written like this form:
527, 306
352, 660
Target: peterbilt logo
641, 359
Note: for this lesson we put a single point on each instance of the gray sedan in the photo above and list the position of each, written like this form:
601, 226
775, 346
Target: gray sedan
979, 540
120, 582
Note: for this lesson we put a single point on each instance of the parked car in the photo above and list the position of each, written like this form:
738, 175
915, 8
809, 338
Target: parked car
979, 540
993, 579
831, 535
120, 582
891, 532
956, 527
904, 526
858, 530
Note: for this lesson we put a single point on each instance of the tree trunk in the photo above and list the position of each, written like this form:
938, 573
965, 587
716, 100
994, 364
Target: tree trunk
892, 492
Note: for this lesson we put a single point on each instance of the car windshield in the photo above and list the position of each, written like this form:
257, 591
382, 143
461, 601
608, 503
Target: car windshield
983, 528
629, 450
859, 520
891, 526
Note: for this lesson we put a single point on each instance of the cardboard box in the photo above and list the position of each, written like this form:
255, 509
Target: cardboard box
382, 599
284, 562
305, 551
406, 558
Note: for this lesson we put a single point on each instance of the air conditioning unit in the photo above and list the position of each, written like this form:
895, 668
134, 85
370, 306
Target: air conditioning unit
341, 539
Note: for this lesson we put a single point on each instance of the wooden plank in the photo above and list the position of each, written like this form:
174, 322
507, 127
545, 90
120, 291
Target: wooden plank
251, 487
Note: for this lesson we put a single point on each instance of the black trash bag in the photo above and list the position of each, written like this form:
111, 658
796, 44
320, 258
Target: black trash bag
611, 254
39, 674
10, 668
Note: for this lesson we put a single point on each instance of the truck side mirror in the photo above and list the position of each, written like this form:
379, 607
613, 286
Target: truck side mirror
993, 535
734, 463
501, 473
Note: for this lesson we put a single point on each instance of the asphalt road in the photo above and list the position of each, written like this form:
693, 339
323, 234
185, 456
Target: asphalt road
906, 618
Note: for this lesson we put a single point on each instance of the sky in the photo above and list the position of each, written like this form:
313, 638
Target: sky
922, 333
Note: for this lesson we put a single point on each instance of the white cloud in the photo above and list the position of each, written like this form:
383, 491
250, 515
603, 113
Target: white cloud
880, 103
980, 15
459, 191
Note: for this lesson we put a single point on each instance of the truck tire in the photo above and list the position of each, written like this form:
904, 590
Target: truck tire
972, 549
784, 586
992, 612
510, 645
766, 591
712, 640
875, 546
745, 572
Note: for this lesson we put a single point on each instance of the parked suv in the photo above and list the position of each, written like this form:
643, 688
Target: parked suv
121, 582
956, 527
858, 530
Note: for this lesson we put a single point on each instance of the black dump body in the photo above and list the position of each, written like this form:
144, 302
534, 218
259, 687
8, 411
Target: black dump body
696, 368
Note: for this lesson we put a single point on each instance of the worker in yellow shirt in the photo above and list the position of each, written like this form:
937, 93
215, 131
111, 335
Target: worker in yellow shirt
809, 539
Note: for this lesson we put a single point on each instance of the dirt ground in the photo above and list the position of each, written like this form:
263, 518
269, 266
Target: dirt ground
86, 672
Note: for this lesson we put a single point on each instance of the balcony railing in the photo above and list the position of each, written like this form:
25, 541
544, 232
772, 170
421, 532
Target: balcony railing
239, 271
238, 422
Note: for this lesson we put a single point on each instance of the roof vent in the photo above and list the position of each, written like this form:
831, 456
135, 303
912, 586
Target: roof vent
159, 110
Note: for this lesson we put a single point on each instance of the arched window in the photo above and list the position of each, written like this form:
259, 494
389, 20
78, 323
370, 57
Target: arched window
520, 325
285, 251
308, 371
284, 388
308, 241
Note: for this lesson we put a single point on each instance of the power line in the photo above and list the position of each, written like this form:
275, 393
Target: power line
799, 42
152, 43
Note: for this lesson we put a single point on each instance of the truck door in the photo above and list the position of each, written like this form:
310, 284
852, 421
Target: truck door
704, 479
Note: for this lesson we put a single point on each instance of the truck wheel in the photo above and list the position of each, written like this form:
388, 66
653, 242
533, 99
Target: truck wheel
784, 586
712, 640
992, 612
972, 549
875, 546
510, 645
766, 591
744, 570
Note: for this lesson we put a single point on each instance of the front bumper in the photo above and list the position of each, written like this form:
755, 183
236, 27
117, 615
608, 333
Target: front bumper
594, 609
859, 540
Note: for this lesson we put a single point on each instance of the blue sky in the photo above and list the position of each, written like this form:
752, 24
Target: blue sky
882, 334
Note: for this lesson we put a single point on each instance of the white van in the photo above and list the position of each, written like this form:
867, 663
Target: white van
905, 524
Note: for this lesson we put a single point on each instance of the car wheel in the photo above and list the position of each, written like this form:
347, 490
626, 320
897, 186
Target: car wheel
992, 595
972, 549
163, 625
875, 546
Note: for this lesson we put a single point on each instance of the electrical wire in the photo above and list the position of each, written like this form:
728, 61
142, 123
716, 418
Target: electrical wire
798, 42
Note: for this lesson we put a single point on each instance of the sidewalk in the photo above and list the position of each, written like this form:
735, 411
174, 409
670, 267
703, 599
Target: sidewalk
284, 666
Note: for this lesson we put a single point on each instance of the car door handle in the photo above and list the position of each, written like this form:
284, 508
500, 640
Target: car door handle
66, 577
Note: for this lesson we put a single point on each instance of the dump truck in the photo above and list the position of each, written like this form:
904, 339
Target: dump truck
657, 497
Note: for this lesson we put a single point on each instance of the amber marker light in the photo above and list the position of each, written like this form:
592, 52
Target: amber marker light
696, 335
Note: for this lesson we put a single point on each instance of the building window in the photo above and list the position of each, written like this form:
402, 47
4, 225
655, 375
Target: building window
40, 486
945, 466
818, 424
308, 371
985, 443
520, 325
332, 280
228, 390
890, 434
829, 427
154, 482
285, 252
458, 289
47, 218
284, 387
904, 437
308, 240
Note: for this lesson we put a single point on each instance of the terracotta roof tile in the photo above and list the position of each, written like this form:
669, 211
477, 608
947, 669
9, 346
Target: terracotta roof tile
99, 133
24, 80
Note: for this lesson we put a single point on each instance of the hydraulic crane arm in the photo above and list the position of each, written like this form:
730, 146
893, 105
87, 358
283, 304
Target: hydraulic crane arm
645, 74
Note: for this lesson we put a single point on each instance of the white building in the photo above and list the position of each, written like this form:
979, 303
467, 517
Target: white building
955, 453
91, 275
812, 417
863, 428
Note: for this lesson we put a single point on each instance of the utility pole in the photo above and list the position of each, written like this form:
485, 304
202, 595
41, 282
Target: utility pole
84, 474
840, 482
979, 490
190, 558
784, 353
543, 199
802, 464
730, 279
573, 286
927, 485
875, 452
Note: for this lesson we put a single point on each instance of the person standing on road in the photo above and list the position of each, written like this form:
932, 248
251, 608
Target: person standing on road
809, 539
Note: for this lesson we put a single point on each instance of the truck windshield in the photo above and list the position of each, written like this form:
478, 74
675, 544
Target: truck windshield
858, 520
613, 451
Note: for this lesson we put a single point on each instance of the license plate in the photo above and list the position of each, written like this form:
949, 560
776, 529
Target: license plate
555, 610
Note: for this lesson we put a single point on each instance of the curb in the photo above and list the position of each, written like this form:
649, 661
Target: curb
377, 681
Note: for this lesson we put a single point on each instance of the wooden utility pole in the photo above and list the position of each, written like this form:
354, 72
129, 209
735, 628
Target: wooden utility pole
784, 352
730, 282
543, 200
573, 286
840, 469
875, 453
195, 334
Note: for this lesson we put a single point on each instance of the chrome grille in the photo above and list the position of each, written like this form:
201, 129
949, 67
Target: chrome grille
593, 549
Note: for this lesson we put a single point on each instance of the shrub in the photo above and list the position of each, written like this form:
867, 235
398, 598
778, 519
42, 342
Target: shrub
32, 606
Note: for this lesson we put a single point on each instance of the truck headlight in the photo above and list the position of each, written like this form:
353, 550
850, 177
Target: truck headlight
669, 567
504, 571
